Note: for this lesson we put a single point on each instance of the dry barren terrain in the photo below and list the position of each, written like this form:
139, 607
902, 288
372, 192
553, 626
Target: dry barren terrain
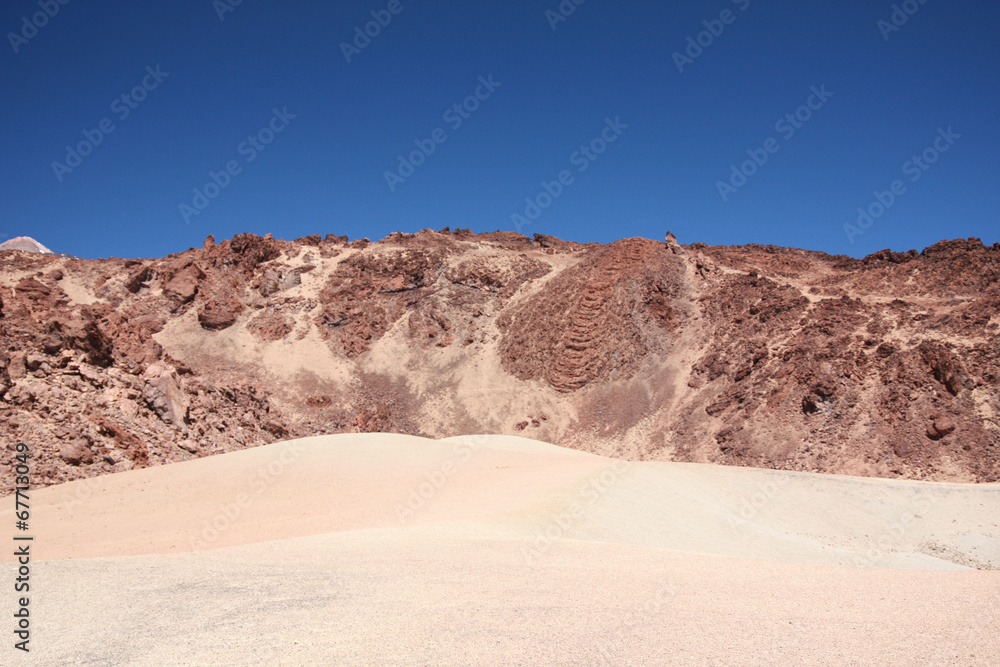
492, 550
886, 366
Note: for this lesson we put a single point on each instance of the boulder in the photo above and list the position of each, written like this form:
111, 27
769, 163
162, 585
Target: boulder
33, 362
945, 366
940, 427
218, 315
184, 285
83, 334
270, 283
17, 368
75, 452
138, 278
189, 446
293, 279
163, 394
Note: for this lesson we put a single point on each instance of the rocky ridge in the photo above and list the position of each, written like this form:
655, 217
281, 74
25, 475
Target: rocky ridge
753, 355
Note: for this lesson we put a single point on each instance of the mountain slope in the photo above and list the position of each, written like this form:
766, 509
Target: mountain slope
753, 355
25, 244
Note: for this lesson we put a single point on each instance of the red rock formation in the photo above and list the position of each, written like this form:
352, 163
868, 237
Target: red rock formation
593, 321
751, 355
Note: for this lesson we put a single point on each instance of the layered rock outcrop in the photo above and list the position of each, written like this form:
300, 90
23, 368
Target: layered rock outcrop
751, 355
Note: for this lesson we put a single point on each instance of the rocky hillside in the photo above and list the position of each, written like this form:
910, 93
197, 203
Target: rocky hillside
754, 355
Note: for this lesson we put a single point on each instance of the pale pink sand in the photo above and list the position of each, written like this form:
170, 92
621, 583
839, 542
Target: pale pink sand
643, 564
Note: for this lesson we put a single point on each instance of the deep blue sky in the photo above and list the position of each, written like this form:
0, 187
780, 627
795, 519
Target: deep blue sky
325, 172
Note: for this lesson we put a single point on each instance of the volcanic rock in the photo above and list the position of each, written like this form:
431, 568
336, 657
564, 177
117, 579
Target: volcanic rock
75, 452
17, 366
182, 287
217, 315
746, 355
162, 392
940, 427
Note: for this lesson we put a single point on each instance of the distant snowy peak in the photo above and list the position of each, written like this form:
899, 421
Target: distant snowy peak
25, 243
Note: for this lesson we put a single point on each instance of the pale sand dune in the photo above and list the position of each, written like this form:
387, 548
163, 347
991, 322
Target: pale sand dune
520, 553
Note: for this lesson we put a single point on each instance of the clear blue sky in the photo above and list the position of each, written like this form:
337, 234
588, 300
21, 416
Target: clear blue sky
325, 171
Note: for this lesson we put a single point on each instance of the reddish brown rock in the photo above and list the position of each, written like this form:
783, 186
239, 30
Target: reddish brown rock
76, 452
940, 427
370, 292
189, 446
945, 366
182, 287
319, 401
249, 251
33, 290
218, 315
271, 282
162, 392
271, 325
430, 326
138, 278
82, 333
751, 355
135, 449
587, 324
17, 367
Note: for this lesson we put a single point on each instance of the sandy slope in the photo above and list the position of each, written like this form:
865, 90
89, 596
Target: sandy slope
389, 549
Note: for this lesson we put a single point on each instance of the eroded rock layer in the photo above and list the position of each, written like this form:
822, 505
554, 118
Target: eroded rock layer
753, 355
